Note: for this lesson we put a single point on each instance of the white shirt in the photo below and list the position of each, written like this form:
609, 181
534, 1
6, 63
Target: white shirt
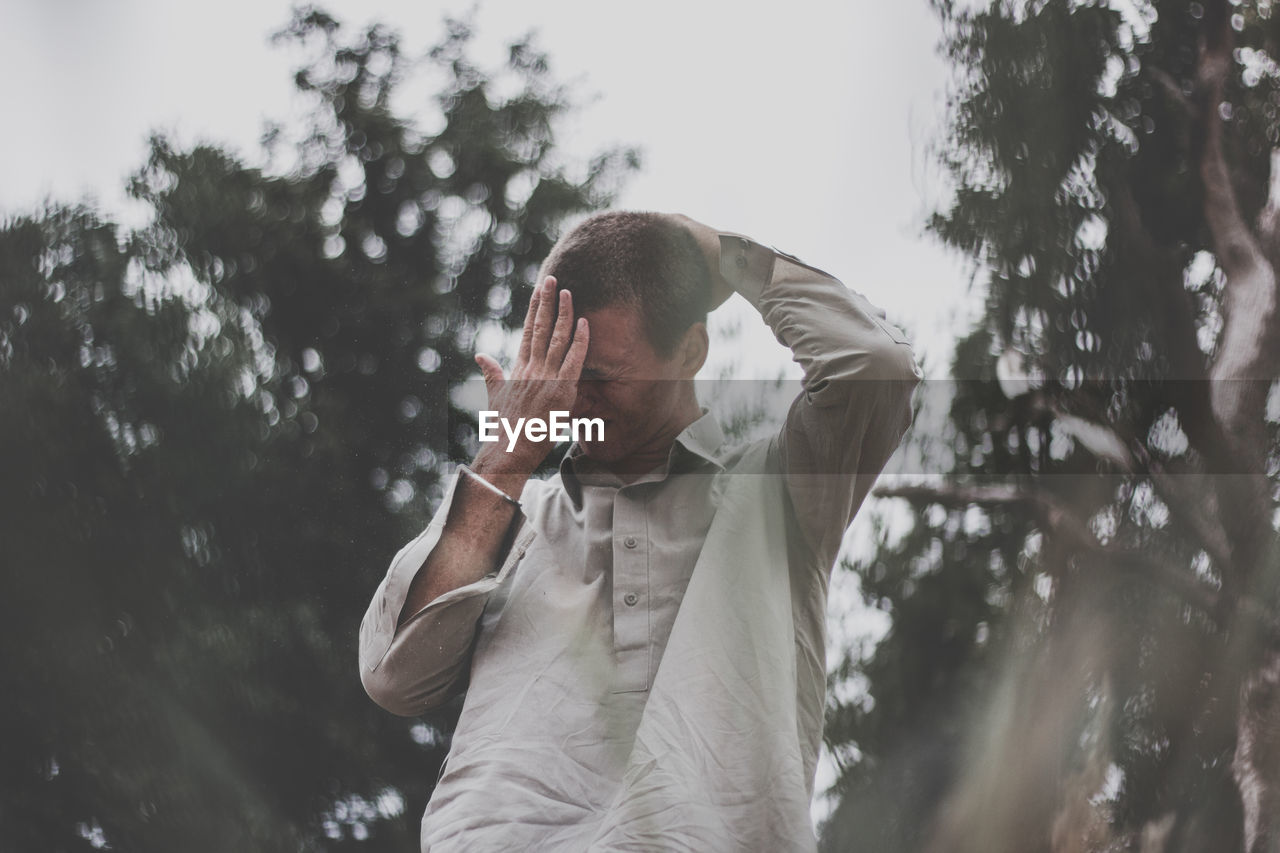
646, 671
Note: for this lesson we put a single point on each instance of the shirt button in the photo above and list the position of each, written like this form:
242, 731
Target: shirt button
741, 261
631, 598
630, 541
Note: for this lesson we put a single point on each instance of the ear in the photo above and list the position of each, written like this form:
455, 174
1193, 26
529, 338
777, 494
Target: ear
692, 351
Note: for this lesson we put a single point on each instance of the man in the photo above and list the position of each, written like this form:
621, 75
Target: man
641, 636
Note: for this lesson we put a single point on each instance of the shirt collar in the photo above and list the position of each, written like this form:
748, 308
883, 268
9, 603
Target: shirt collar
696, 445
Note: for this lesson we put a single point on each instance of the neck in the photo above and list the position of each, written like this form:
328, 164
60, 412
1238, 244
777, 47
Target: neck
657, 450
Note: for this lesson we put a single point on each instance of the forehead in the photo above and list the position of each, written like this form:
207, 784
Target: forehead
617, 338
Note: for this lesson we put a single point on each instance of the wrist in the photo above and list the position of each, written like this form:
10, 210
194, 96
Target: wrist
507, 472
708, 240
484, 484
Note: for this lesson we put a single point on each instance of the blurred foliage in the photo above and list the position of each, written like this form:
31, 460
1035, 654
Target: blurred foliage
219, 428
1064, 659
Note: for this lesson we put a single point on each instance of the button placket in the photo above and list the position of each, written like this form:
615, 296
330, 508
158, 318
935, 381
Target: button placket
630, 582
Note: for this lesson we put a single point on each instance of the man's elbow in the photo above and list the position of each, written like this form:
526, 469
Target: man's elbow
388, 694
894, 360
409, 696
888, 361
901, 373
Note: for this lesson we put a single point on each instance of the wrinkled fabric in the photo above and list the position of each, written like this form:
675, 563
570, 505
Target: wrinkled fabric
646, 671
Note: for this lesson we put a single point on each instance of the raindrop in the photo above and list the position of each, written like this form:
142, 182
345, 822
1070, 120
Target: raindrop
499, 297
400, 493
375, 248
428, 360
520, 187
334, 246
441, 163
409, 220
410, 408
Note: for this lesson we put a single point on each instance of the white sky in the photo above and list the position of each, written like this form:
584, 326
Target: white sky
808, 130
806, 126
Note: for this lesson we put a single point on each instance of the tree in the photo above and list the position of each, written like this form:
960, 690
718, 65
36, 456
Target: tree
1084, 647
229, 421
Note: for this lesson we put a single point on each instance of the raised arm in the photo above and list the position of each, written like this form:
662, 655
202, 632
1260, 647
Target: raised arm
545, 378
859, 374
417, 634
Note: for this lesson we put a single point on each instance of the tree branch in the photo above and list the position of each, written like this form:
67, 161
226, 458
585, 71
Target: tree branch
1247, 347
1198, 510
1172, 90
1058, 520
1186, 388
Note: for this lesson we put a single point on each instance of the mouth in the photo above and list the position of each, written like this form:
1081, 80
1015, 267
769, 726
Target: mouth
589, 439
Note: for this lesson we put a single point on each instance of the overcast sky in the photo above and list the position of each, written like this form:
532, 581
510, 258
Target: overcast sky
807, 127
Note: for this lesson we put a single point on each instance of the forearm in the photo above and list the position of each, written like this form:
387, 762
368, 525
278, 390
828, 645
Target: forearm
477, 529
418, 631
476, 534
420, 627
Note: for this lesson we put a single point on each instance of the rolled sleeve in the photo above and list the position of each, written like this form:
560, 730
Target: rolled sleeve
859, 375
835, 333
416, 666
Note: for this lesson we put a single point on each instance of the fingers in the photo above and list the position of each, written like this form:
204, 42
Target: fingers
527, 337
577, 355
491, 371
548, 328
560, 333
542, 321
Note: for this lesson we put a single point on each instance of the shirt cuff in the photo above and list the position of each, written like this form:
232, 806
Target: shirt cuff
746, 265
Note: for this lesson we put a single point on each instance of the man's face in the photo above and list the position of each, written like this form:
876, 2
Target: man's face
628, 384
